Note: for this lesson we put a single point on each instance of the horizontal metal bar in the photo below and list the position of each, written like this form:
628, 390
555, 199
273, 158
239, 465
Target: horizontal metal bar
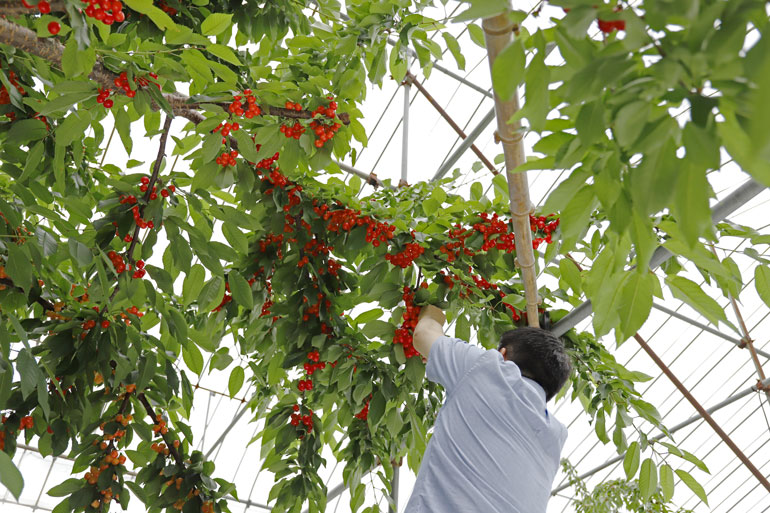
463, 147
738, 342
681, 425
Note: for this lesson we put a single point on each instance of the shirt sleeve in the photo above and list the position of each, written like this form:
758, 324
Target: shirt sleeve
449, 360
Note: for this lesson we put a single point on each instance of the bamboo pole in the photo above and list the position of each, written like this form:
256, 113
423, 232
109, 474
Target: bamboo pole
497, 33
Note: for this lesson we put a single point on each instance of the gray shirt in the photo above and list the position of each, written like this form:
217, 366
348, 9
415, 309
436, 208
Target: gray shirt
495, 448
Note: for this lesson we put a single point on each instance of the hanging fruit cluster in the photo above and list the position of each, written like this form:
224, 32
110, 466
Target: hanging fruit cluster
106, 11
404, 334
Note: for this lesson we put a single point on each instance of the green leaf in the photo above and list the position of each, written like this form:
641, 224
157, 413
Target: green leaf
123, 126
648, 478
158, 17
454, 48
211, 294
30, 373
235, 382
691, 203
695, 461
193, 358
477, 191
635, 301
630, 121
702, 145
24, 131
689, 292
693, 485
369, 315
590, 122
575, 216
216, 23
482, 9
241, 290
66, 488
570, 274
631, 460
666, 482
508, 70
246, 146
538, 97
477, 35
224, 53
376, 408
415, 371
193, 283
463, 328
18, 266
10, 475
762, 283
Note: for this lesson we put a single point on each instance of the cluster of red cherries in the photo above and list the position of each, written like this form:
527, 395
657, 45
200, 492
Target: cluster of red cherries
130, 199
106, 11
405, 258
227, 159
306, 420
404, 334
608, 26
364, 413
122, 82
324, 131
44, 7
251, 110
5, 98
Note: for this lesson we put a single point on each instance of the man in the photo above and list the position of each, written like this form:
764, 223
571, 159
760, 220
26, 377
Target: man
495, 447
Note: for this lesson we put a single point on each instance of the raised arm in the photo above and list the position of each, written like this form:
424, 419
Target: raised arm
429, 328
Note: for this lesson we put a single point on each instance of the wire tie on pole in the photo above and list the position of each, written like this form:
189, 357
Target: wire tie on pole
502, 31
373, 179
403, 183
744, 343
517, 136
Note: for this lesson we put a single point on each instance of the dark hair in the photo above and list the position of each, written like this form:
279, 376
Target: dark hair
540, 355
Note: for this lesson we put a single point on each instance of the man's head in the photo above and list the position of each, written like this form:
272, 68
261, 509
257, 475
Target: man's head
540, 356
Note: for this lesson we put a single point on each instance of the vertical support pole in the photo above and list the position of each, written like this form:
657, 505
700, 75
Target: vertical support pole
405, 133
497, 34
394, 490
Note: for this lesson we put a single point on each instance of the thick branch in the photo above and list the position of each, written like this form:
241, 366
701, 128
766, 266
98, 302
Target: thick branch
154, 417
51, 50
150, 185
47, 305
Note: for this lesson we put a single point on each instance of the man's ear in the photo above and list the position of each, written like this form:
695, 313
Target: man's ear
503, 351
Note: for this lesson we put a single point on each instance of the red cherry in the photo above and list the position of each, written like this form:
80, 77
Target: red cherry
105, 324
44, 7
54, 27
108, 103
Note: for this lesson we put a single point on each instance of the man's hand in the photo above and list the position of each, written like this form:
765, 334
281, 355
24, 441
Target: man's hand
430, 327
432, 312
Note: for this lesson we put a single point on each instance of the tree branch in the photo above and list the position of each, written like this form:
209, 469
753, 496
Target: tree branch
150, 185
51, 50
154, 417
47, 305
